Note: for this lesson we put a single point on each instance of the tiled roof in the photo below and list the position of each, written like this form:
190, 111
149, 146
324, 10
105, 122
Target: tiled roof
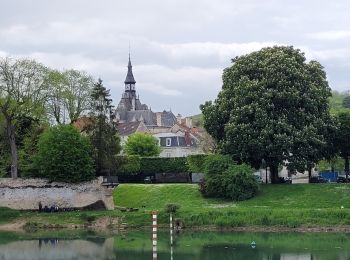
125, 129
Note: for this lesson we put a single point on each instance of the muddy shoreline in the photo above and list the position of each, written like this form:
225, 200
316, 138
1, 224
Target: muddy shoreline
109, 224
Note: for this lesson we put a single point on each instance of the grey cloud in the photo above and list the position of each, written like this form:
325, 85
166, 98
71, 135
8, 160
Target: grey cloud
178, 48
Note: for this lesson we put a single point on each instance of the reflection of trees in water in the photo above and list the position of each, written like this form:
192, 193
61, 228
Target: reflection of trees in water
53, 248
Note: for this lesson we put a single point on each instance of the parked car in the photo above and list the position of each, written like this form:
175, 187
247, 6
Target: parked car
287, 180
148, 179
342, 179
318, 179
258, 178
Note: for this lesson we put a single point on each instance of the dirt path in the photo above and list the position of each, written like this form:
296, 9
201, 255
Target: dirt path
15, 226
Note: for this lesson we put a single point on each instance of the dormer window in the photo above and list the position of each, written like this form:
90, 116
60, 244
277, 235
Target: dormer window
168, 141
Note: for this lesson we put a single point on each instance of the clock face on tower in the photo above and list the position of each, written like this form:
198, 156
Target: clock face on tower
127, 87
132, 86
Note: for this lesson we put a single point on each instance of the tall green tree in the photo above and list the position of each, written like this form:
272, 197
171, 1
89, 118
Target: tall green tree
342, 141
22, 92
69, 96
103, 131
142, 144
273, 106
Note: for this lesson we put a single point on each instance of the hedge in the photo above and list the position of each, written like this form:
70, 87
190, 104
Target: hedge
151, 165
196, 162
128, 165
133, 165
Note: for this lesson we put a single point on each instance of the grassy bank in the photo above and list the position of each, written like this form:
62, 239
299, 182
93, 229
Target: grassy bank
300, 205
281, 205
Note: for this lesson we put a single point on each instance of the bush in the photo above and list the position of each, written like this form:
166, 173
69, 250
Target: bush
196, 162
64, 155
151, 165
225, 179
239, 183
217, 164
128, 165
171, 208
142, 144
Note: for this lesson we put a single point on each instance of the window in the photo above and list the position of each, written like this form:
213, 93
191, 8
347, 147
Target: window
168, 141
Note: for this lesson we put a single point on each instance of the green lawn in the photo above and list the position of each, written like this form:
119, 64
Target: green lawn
282, 205
297, 196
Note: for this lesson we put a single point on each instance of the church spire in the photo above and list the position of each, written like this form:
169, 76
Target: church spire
129, 77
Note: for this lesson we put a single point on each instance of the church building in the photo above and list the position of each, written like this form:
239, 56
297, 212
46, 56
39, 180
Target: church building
176, 136
130, 109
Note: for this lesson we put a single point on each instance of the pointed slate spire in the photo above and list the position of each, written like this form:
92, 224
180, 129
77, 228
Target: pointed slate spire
129, 77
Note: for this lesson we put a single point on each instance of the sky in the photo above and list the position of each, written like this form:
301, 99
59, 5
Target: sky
178, 48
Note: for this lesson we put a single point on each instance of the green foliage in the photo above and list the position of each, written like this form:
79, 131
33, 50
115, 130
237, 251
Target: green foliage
273, 106
217, 164
336, 164
128, 165
342, 139
142, 144
346, 102
239, 183
225, 179
7, 214
196, 162
171, 208
197, 120
28, 151
151, 165
64, 155
103, 132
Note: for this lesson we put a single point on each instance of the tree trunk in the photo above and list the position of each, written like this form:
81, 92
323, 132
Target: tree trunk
12, 140
346, 158
274, 174
309, 171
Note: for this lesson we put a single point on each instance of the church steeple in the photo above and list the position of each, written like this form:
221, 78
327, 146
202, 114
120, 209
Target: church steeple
129, 77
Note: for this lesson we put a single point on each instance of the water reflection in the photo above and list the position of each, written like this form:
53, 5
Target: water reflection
186, 246
53, 248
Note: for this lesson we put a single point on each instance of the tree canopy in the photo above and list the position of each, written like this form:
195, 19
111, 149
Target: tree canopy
342, 140
142, 144
64, 155
273, 106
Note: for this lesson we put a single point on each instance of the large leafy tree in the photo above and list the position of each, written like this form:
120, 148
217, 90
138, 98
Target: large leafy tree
273, 107
69, 96
142, 144
22, 92
103, 131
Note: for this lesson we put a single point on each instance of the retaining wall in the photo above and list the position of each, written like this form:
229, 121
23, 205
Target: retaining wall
25, 194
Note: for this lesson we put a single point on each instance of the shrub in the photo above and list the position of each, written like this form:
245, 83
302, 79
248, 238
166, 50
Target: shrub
64, 155
196, 162
225, 179
239, 183
171, 208
217, 164
128, 165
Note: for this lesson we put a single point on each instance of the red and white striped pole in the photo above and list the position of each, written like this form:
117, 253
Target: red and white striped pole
154, 233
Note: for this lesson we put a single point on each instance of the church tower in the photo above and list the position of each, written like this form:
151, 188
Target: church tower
130, 81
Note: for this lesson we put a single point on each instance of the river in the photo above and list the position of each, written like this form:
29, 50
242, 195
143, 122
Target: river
187, 245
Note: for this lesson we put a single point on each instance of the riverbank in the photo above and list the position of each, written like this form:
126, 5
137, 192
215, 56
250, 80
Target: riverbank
300, 207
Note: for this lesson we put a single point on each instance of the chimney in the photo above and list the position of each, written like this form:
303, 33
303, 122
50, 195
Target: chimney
159, 119
188, 122
178, 118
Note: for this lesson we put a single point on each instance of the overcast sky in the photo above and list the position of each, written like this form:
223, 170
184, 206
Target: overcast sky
178, 48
